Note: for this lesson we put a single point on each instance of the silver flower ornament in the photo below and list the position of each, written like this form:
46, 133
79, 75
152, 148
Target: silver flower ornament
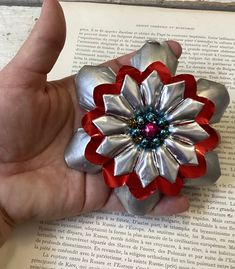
146, 129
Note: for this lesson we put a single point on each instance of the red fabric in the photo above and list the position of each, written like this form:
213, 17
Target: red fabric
132, 180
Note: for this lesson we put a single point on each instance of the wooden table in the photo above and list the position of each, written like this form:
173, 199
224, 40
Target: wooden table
199, 4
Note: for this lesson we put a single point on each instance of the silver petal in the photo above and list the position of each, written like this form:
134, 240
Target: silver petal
187, 110
168, 166
212, 173
172, 95
75, 153
183, 153
217, 93
130, 90
153, 51
110, 125
124, 163
112, 145
189, 133
117, 105
151, 88
134, 206
146, 168
87, 79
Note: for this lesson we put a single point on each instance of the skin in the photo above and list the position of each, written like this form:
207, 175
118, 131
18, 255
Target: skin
37, 120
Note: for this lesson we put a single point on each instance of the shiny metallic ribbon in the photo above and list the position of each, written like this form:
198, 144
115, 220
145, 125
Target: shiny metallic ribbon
179, 149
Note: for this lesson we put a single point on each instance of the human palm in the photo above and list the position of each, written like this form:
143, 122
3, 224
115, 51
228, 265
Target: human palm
37, 120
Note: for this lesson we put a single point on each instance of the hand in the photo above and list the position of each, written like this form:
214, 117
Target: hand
37, 120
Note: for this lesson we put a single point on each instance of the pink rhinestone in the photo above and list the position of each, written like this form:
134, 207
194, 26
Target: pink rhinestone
150, 130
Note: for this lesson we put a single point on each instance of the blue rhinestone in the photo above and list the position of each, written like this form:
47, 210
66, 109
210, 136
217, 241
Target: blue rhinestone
156, 142
144, 143
140, 120
129, 130
162, 122
166, 126
138, 113
150, 109
150, 117
161, 114
135, 132
164, 133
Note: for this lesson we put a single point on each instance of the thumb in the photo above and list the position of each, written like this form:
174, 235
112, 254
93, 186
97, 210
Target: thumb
42, 48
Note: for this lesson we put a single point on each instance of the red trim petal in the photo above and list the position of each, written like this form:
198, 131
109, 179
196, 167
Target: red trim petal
168, 188
160, 183
102, 89
162, 70
137, 189
111, 180
128, 70
211, 142
207, 111
191, 92
87, 123
193, 171
90, 151
190, 84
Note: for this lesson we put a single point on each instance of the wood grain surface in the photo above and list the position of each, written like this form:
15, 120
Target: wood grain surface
227, 5
14, 29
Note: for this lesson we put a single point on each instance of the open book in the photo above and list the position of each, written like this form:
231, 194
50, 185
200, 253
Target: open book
204, 237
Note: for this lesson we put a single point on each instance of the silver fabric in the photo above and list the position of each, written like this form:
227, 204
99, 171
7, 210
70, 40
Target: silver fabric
75, 153
213, 172
146, 168
217, 93
130, 90
151, 89
183, 153
112, 145
124, 163
117, 105
189, 133
172, 95
110, 125
187, 110
87, 79
134, 206
168, 166
153, 51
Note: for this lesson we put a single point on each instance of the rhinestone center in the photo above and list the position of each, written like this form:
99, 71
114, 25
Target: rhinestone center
148, 128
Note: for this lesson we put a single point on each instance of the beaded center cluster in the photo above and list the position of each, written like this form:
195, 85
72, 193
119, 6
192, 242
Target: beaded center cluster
148, 128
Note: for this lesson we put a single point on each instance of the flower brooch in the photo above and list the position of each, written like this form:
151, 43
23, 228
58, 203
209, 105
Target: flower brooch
146, 129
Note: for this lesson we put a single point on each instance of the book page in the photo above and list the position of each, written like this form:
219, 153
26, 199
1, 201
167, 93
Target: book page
203, 237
